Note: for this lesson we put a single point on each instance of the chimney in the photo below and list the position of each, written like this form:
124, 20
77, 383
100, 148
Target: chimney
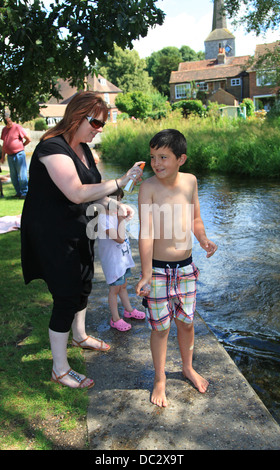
221, 57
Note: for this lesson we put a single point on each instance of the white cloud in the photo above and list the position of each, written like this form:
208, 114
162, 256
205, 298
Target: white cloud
245, 44
181, 30
185, 29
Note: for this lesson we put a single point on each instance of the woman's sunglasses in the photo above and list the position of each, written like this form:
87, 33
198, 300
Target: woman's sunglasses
95, 123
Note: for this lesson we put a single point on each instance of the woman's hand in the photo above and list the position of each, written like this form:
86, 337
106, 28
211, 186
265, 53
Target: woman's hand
134, 173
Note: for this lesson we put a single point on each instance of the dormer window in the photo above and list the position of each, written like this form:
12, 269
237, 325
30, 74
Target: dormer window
235, 82
102, 81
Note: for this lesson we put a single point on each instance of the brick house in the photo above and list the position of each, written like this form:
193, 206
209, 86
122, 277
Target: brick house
222, 76
210, 75
261, 89
53, 110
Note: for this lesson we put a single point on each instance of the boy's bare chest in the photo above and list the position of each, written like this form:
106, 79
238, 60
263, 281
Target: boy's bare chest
173, 197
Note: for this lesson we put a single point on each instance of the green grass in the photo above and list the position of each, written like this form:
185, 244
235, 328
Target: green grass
34, 413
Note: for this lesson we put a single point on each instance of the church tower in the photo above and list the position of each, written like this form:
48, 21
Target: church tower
220, 37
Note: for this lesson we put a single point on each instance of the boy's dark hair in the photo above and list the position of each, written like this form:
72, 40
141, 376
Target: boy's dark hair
119, 193
172, 139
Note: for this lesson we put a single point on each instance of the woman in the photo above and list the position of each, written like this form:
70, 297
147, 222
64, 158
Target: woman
63, 182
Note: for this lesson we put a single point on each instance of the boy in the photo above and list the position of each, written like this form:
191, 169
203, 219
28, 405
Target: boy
168, 275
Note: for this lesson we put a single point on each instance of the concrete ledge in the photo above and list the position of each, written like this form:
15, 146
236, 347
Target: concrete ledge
230, 416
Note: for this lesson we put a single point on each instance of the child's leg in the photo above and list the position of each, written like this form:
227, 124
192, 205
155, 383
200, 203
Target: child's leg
158, 349
124, 297
113, 301
185, 334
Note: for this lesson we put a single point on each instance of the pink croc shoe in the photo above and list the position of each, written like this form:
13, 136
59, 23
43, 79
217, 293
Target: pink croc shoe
134, 314
120, 325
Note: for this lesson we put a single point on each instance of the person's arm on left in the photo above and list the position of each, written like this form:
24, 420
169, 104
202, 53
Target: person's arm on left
26, 140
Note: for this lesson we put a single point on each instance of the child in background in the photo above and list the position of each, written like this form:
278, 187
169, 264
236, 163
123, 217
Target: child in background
116, 260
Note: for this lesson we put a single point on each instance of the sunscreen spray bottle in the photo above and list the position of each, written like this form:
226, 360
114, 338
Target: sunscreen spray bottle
130, 185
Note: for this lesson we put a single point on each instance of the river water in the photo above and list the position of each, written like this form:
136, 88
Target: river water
239, 287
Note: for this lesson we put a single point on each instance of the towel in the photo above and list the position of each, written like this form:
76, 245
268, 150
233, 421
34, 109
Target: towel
9, 223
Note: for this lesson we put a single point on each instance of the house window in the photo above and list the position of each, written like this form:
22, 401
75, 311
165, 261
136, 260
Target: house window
102, 81
182, 91
106, 98
264, 102
266, 78
202, 86
235, 82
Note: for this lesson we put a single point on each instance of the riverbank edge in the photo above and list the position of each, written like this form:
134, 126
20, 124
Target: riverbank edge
230, 416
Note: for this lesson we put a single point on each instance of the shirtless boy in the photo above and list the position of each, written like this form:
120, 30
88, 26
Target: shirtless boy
169, 212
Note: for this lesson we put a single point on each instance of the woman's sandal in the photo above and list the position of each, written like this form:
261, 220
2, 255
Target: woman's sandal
57, 379
103, 346
134, 314
120, 325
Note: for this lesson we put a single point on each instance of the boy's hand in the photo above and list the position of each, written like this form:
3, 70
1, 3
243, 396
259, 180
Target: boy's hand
143, 288
208, 246
125, 211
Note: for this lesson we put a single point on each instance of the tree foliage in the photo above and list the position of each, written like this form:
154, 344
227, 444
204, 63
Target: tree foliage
126, 70
140, 105
188, 107
38, 44
256, 15
161, 63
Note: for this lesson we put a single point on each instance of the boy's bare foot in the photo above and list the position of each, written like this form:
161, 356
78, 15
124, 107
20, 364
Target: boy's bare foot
199, 382
158, 394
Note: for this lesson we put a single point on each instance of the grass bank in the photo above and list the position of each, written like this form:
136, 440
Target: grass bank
35, 414
229, 146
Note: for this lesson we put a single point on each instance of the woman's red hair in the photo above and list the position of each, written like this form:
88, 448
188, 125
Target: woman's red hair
83, 104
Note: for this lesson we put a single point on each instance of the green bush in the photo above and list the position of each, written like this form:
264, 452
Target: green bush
40, 124
142, 105
250, 107
190, 107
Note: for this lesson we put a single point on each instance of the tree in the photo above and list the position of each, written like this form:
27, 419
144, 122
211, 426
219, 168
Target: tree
37, 44
256, 15
126, 70
141, 105
161, 63
136, 104
259, 16
189, 55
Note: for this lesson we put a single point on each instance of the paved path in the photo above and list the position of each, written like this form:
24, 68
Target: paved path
230, 416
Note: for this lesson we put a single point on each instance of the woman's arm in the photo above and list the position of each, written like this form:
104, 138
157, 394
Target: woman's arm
63, 173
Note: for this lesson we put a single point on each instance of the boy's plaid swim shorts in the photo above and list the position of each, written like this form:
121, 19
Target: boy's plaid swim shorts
173, 293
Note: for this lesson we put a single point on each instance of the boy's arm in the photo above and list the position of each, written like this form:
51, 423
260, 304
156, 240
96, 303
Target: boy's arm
146, 241
198, 226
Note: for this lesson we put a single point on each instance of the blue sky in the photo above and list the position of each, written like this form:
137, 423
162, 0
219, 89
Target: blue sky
184, 21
